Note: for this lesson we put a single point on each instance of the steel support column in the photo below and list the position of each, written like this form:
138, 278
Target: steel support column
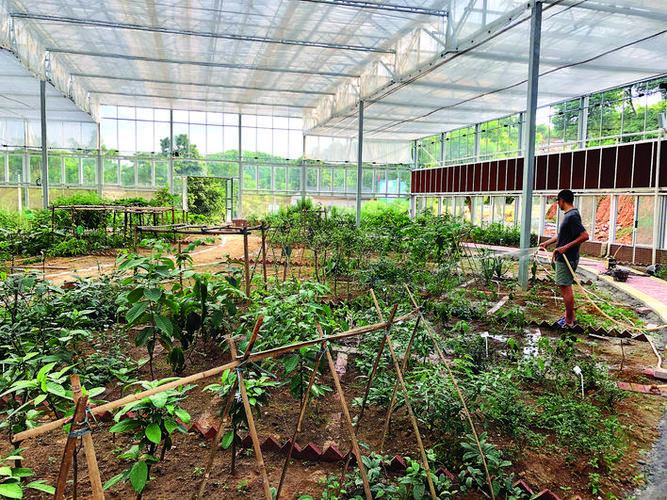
171, 152
529, 161
239, 212
45, 159
99, 165
303, 171
360, 150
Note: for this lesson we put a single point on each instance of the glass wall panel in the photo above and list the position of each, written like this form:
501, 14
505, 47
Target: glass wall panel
109, 135
127, 172
645, 211
367, 181
311, 178
161, 173
602, 211
146, 137
498, 210
294, 179
550, 218
351, 175
89, 167
110, 171
339, 180
161, 139
144, 173
280, 174
264, 177
127, 136
625, 220
326, 181
35, 168
280, 143
586, 205
55, 167
406, 179
71, 170
249, 177
230, 139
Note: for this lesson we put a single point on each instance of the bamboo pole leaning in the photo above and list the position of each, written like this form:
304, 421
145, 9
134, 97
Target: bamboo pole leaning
216, 441
404, 365
228, 406
70, 448
251, 421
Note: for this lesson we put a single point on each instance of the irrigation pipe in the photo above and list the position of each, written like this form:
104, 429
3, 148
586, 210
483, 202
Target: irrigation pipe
255, 356
458, 392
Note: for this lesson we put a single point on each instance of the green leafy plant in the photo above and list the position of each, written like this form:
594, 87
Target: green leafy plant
473, 475
257, 390
153, 420
12, 478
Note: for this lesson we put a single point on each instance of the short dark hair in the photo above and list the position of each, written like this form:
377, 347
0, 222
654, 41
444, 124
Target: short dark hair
566, 195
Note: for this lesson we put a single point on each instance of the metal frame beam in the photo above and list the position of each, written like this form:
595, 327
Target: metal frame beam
200, 63
360, 4
205, 85
194, 99
202, 34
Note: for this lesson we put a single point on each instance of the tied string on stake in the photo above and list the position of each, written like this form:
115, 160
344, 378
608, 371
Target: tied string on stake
86, 425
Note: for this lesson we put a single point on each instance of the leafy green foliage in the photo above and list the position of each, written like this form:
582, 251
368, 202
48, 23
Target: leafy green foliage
153, 420
257, 390
173, 317
12, 478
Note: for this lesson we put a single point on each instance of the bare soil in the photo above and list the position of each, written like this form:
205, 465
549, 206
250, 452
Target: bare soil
179, 476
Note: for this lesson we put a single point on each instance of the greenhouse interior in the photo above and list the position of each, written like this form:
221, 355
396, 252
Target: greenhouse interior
418, 126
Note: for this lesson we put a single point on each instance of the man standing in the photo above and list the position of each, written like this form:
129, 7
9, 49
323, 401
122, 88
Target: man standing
570, 236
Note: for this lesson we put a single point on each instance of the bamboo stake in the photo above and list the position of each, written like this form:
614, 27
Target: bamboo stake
375, 364
70, 446
88, 447
216, 440
98, 410
393, 396
302, 414
228, 407
246, 264
251, 427
346, 412
412, 415
264, 255
460, 395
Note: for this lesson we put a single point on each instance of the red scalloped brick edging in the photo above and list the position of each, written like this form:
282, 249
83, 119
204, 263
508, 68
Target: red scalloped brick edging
332, 454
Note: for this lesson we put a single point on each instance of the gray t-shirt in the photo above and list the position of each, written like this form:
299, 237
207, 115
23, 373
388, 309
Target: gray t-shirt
570, 229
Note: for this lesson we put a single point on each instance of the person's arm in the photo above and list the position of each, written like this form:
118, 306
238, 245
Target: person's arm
578, 241
551, 240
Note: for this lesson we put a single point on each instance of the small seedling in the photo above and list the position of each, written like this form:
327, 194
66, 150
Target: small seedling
242, 486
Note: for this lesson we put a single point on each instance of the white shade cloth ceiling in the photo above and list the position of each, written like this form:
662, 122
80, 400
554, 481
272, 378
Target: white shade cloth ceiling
422, 67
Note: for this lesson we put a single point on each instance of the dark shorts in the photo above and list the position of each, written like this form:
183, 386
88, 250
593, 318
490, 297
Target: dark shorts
563, 275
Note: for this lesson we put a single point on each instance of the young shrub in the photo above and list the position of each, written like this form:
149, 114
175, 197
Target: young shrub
153, 420
257, 390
